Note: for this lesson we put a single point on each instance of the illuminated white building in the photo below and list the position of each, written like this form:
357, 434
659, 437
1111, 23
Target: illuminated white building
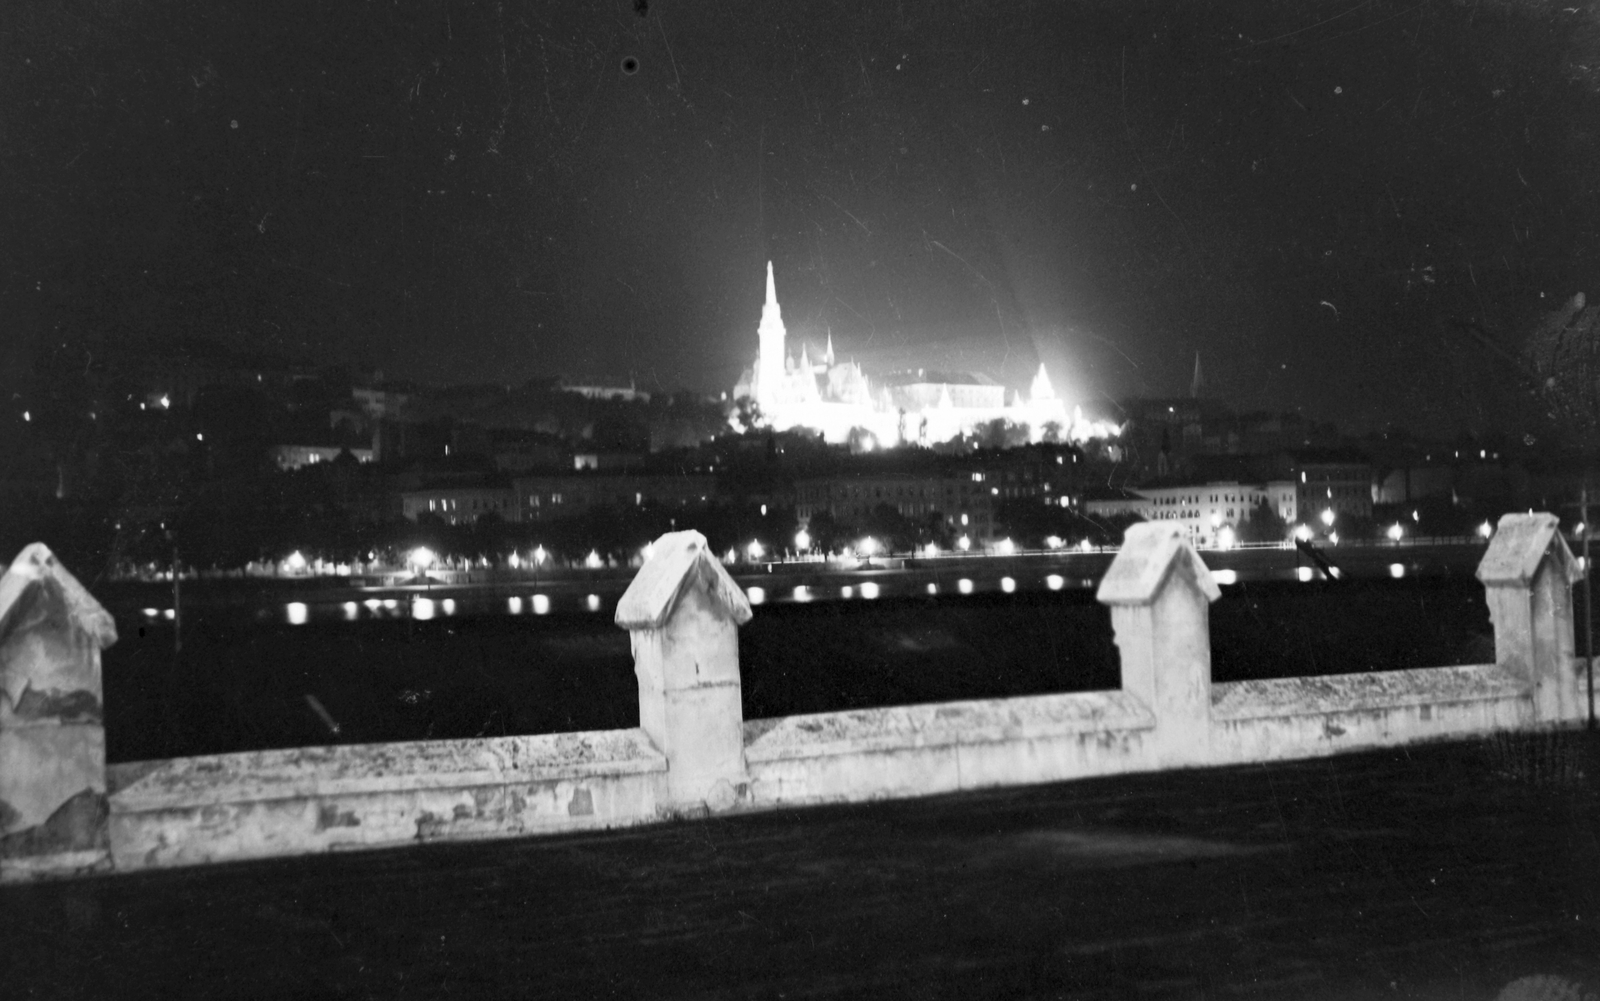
918, 407
1203, 510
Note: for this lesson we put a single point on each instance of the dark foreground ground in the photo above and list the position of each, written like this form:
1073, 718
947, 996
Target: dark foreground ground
1450, 871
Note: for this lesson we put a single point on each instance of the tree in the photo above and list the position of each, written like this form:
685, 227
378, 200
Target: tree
1264, 525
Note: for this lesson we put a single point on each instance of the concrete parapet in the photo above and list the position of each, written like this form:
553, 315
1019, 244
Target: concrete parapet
1527, 576
1284, 718
1160, 595
299, 801
683, 612
52, 729
925, 749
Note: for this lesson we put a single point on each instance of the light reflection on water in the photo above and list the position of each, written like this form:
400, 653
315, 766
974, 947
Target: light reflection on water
1054, 582
848, 591
1008, 585
1397, 570
351, 609
869, 590
756, 595
448, 606
593, 603
802, 593
1225, 576
1304, 573
514, 605
422, 608
541, 604
297, 613
964, 586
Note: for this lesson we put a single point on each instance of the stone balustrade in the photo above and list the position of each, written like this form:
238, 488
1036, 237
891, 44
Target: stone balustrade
694, 754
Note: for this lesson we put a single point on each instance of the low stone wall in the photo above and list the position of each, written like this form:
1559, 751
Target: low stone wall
293, 802
693, 753
1308, 717
922, 750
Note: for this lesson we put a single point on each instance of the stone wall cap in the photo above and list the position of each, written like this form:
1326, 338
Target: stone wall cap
36, 564
677, 560
1520, 544
1150, 551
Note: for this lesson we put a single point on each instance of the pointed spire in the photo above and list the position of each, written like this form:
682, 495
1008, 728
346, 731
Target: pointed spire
772, 287
1197, 384
1041, 388
828, 357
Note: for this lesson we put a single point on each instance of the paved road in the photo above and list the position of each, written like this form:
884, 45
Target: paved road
1445, 872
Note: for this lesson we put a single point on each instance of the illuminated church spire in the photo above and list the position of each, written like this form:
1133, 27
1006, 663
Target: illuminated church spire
770, 360
1041, 388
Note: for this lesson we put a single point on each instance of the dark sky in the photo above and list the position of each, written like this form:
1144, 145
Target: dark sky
1321, 198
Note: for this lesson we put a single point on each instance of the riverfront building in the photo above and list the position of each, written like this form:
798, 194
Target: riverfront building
1203, 510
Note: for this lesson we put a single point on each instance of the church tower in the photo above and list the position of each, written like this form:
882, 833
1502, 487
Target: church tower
769, 361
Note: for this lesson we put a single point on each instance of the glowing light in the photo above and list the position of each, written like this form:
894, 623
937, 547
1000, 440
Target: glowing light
1005, 547
1394, 532
593, 560
541, 604
373, 604
514, 561
1216, 519
592, 602
1485, 530
1225, 576
847, 591
647, 550
1327, 516
730, 557
869, 590
421, 557
933, 588
151, 613
755, 550
802, 593
170, 614
296, 563
963, 543
1086, 546
350, 610
1416, 516
1303, 573
514, 605
932, 550
756, 595
1333, 537
26, 416
1008, 585
448, 606
1226, 539
391, 603
538, 556
1053, 542
166, 401
867, 546
1397, 570
802, 541
422, 608
964, 586
963, 521
1055, 582
1303, 533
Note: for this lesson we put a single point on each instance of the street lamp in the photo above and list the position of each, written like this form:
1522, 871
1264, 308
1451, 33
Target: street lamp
755, 550
1303, 533
963, 543
296, 563
1395, 532
1225, 537
802, 541
1327, 516
1485, 530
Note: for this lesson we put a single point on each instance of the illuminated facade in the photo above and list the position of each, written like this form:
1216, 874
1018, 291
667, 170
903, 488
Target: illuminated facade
837, 398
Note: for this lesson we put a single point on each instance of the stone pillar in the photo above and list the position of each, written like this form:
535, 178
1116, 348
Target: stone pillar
1527, 576
684, 613
1160, 595
52, 732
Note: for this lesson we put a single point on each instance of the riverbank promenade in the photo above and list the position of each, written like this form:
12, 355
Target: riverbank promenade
1446, 870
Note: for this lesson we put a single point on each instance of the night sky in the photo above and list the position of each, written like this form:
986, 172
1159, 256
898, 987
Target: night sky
1341, 205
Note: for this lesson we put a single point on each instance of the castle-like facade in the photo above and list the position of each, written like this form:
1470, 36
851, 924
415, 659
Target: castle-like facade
913, 407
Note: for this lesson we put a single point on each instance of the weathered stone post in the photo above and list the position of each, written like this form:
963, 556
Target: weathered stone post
1527, 577
684, 613
1160, 595
52, 732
